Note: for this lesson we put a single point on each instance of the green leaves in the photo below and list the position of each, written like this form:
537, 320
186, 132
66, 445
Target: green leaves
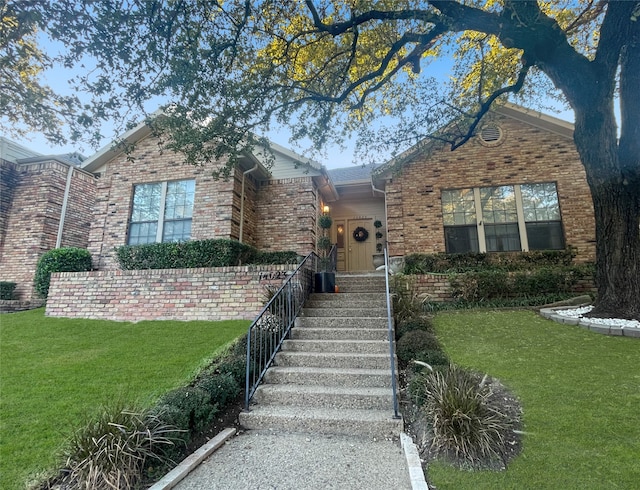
68, 259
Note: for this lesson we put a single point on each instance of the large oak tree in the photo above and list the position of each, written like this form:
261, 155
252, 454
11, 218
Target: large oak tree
333, 68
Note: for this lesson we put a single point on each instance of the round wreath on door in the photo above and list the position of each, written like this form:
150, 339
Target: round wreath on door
360, 234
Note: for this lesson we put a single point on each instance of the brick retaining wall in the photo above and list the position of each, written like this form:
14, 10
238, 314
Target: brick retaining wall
438, 289
221, 293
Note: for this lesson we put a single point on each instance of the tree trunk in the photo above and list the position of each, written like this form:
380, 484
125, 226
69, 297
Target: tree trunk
617, 215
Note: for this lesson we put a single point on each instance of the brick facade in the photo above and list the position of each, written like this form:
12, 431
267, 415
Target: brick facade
527, 154
278, 214
287, 210
32, 205
222, 293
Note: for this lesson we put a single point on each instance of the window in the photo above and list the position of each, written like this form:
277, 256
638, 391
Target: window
512, 217
161, 212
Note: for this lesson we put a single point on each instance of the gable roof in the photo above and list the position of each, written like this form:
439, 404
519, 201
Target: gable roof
508, 109
353, 174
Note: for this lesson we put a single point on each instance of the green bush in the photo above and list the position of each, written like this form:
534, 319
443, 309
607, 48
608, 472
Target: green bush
188, 408
68, 259
433, 357
197, 253
498, 284
112, 449
414, 342
6, 290
468, 424
222, 387
407, 303
508, 261
278, 257
415, 323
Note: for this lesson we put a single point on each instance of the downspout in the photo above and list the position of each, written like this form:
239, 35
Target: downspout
384, 193
65, 202
244, 174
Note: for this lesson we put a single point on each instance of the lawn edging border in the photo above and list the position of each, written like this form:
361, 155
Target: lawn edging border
176, 475
550, 314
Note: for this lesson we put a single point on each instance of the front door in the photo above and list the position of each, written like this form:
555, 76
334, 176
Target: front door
360, 253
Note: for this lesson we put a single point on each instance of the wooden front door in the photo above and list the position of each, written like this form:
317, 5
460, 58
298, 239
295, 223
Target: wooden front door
359, 254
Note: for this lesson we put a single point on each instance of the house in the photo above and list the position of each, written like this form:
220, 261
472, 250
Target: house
517, 185
151, 196
45, 202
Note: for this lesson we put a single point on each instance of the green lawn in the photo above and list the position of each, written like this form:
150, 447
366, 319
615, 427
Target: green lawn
53, 371
581, 397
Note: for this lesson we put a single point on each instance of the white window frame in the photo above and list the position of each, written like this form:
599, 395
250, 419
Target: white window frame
161, 207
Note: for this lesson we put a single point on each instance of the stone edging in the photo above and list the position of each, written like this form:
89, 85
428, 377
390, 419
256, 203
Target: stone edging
416, 474
172, 478
550, 313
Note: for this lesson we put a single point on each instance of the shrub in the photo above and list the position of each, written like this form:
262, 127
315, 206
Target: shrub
498, 284
508, 261
415, 323
6, 290
414, 342
467, 423
433, 357
222, 387
407, 303
112, 449
197, 253
278, 257
69, 259
187, 408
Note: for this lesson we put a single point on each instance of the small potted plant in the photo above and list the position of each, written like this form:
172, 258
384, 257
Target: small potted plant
325, 278
378, 257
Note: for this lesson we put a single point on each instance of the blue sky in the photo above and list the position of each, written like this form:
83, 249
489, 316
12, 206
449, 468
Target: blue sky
334, 157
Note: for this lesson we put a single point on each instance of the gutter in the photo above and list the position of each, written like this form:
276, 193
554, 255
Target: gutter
244, 174
65, 203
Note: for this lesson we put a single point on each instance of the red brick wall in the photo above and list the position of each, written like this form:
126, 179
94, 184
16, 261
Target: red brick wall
220, 293
286, 215
31, 224
527, 155
216, 212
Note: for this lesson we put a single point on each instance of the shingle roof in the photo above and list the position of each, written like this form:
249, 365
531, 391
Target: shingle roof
354, 173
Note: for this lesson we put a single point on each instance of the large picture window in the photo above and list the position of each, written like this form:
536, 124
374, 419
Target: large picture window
161, 212
511, 217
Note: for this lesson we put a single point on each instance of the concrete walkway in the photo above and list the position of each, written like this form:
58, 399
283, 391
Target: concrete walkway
266, 459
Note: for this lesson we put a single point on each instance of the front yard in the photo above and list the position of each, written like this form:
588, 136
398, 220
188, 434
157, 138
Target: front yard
580, 392
55, 371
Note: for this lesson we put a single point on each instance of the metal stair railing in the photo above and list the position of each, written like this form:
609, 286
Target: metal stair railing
391, 334
273, 324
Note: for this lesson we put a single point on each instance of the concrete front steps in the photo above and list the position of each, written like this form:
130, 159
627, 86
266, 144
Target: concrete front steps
333, 375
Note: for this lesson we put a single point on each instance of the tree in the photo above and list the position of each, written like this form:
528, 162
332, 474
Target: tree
331, 68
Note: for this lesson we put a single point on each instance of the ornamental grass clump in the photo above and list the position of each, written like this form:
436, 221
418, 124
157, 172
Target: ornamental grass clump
469, 427
112, 450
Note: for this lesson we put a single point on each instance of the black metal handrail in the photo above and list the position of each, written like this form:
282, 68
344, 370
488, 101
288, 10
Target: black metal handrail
273, 324
394, 387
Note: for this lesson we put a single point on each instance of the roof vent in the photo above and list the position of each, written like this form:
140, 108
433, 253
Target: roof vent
491, 134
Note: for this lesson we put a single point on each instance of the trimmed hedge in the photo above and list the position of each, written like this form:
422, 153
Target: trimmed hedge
499, 284
508, 261
196, 254
6, 290
69, 259
412, 343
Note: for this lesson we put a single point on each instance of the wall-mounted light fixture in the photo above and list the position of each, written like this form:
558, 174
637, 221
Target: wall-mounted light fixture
325, 209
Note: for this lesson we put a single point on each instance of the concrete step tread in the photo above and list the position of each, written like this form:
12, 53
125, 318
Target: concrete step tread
321, 413
322, 390
328, 370
341, 355
330, 345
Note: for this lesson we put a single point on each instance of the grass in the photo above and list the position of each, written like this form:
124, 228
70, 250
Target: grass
580, 392
54, 371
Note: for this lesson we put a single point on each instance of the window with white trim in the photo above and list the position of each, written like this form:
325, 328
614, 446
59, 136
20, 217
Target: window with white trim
502, 218
161, 212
